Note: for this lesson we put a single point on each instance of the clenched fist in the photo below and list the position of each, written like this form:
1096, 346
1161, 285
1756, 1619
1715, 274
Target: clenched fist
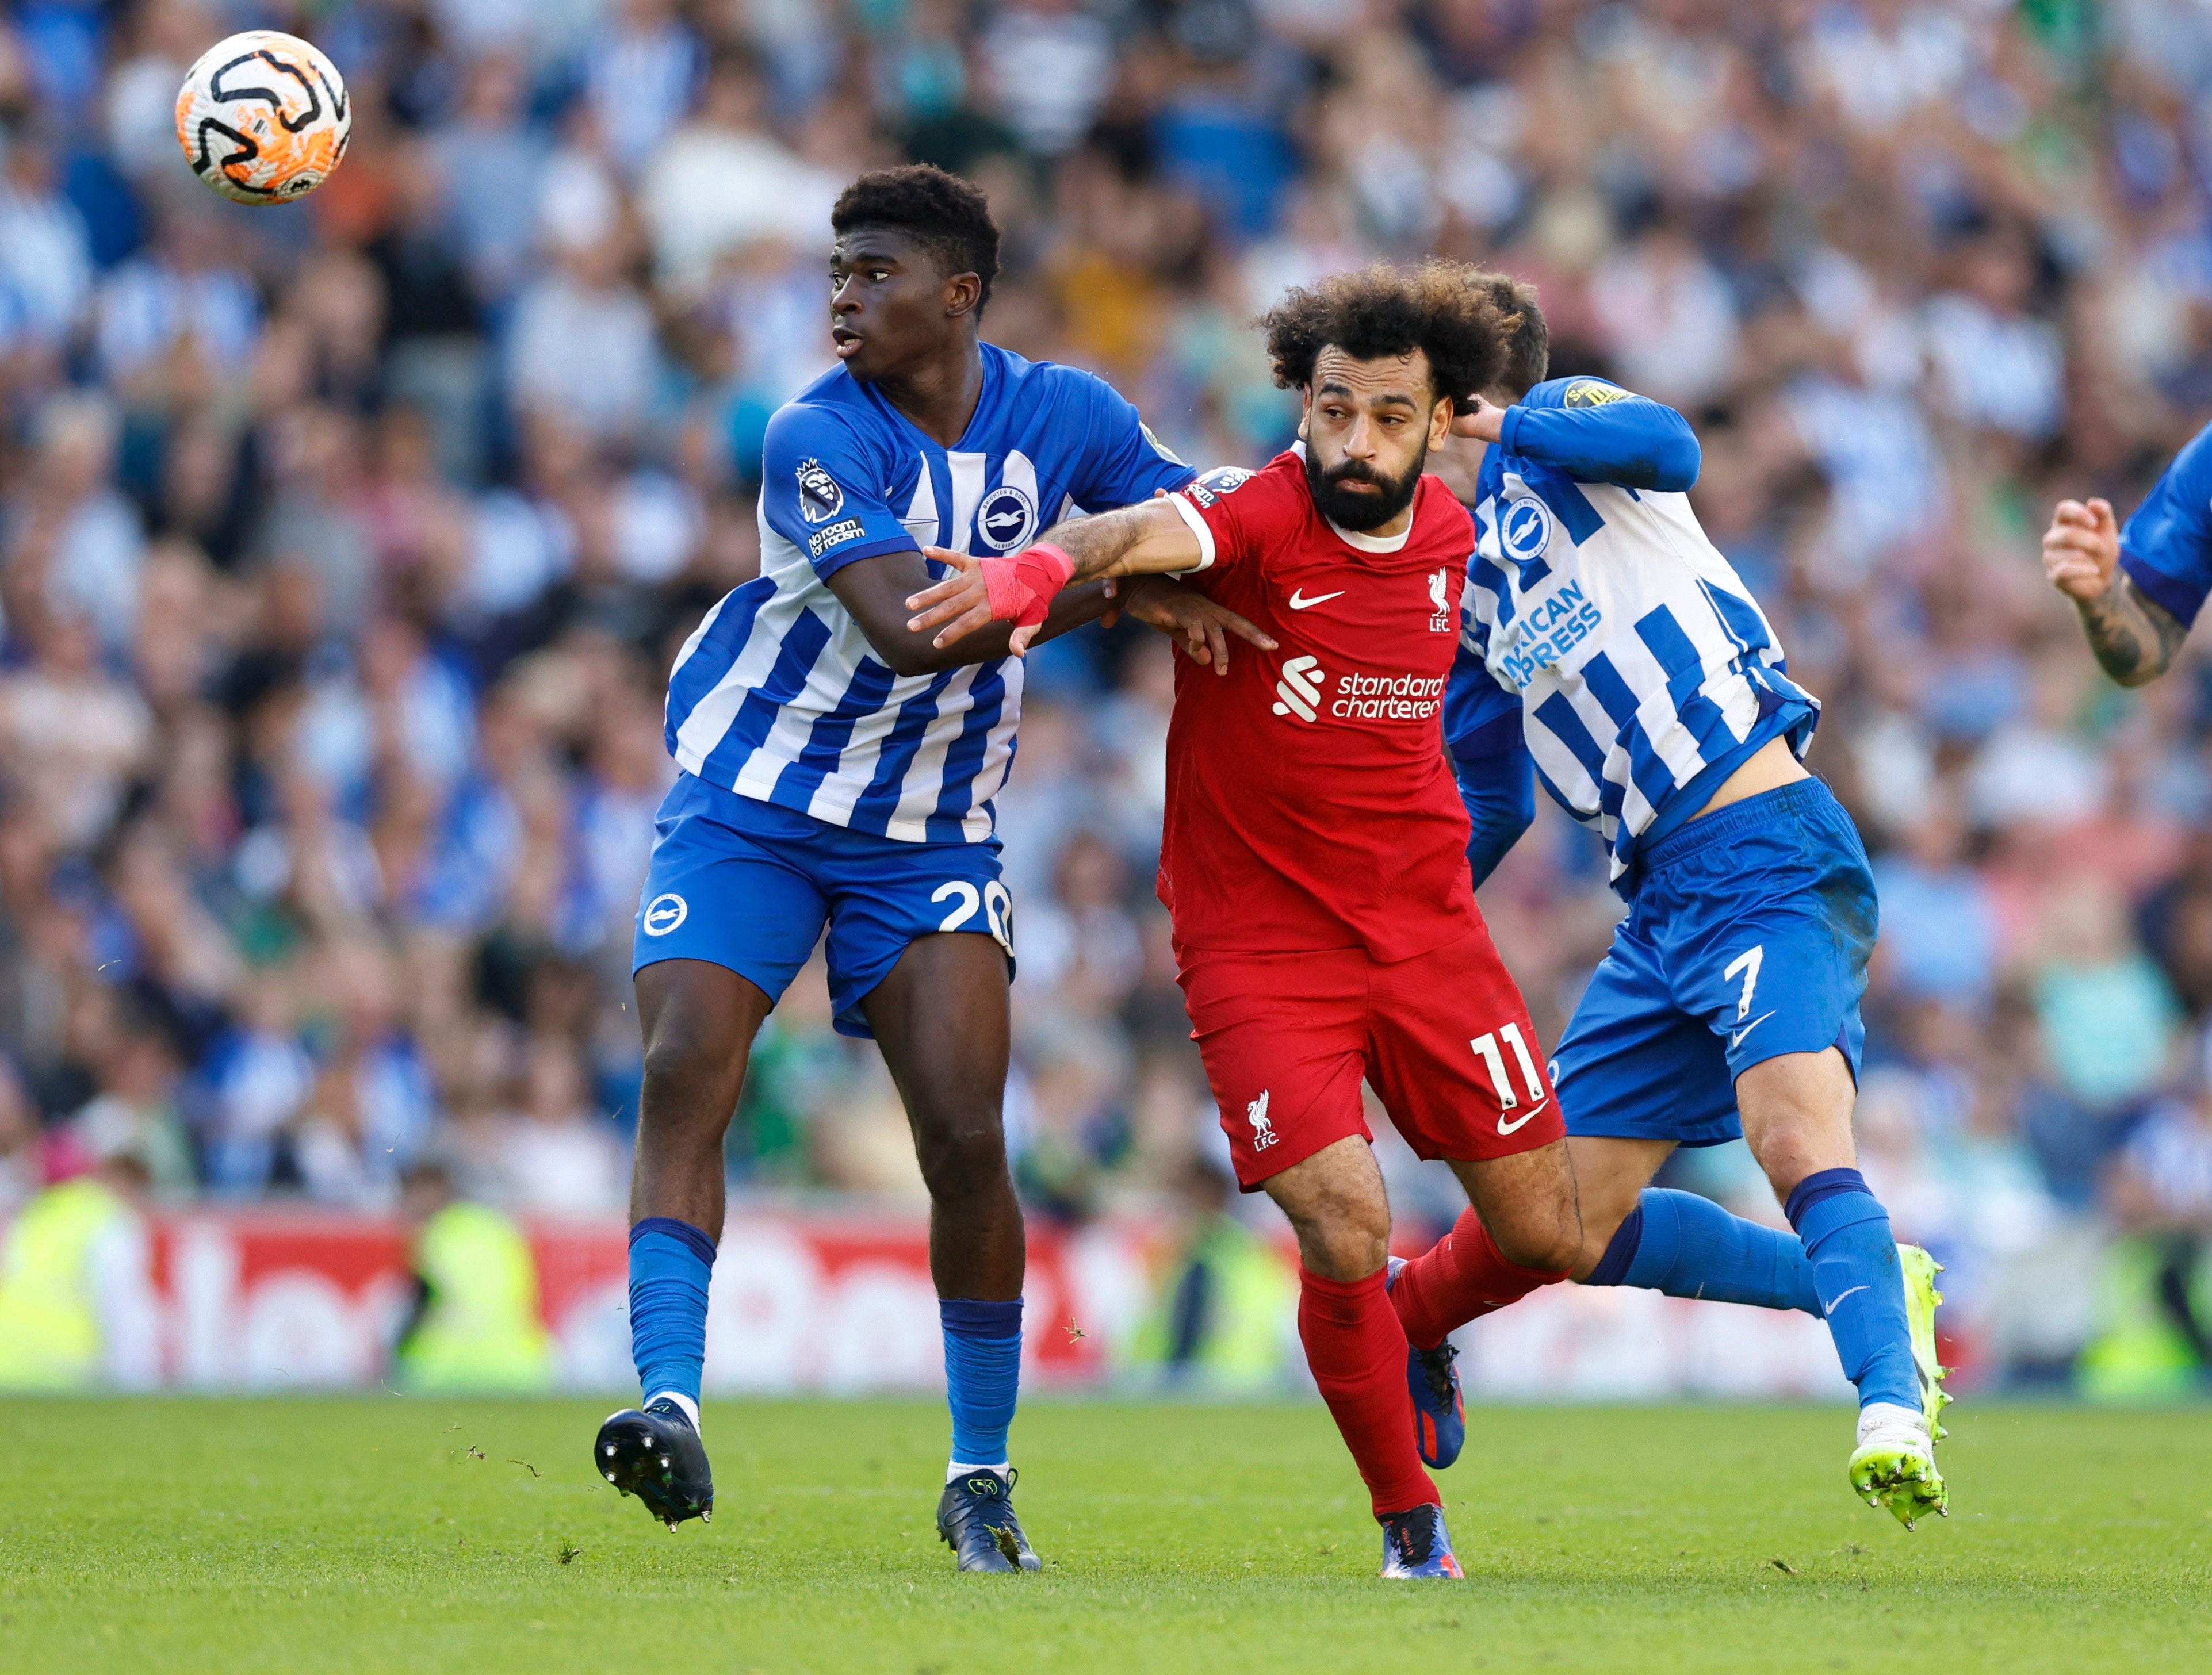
2081, 548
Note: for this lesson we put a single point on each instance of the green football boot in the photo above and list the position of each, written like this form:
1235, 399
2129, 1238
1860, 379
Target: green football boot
1894, 1464
1921, 1298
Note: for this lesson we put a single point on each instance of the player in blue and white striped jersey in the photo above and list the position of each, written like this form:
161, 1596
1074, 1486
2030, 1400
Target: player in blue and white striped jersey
1610, 650
838, 772
1646, 671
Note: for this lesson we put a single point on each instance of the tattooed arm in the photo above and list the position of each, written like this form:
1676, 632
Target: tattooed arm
2134, 638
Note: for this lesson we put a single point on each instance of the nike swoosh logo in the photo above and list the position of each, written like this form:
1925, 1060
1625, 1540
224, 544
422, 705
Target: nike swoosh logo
1505, 1128
1299, 602
1735, 1040
1827, 1309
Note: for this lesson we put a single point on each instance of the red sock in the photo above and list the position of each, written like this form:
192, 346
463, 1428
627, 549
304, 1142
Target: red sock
1357, 1350
1463, 1278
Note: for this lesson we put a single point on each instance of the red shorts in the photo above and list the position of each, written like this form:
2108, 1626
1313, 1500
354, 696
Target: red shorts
1443, 1038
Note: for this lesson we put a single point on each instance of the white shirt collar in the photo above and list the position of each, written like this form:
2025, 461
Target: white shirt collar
1372, 544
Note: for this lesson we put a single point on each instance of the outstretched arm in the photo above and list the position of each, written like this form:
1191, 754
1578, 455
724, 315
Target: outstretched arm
1151, 539
822, 492
2134, 636
877, 591
1629, 441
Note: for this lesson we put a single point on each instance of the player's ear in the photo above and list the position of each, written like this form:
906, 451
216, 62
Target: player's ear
963, 292
1305, 410
1440, 418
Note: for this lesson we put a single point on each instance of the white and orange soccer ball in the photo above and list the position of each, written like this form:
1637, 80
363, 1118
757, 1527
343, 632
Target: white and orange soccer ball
263, 118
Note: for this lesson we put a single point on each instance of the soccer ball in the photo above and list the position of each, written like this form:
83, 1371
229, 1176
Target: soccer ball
263, 118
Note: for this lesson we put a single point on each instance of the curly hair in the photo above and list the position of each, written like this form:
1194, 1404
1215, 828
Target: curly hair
947, 216
1528, 344
1449, 311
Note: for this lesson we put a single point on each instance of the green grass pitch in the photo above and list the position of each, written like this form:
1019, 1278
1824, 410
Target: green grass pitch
425, 1535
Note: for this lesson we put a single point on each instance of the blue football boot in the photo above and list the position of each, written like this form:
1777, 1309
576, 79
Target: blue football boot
656, 1455
1439, 1410
976, 1518
1416, 1544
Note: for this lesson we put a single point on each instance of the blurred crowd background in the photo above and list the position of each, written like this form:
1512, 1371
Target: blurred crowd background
343, 548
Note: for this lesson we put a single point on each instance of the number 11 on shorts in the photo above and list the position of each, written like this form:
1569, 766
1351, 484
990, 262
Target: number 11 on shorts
1486, 1048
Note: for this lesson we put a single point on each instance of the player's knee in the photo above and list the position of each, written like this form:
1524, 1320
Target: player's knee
1801, 1139
688, 1079
1552, 1244
962, 1160
1345, 1241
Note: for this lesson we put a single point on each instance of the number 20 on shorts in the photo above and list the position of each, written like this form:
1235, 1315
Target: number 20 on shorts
997, 907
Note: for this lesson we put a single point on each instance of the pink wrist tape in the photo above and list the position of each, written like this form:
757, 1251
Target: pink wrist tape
1020, 588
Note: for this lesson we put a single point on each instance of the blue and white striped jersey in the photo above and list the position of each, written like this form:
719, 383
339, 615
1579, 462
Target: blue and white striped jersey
777, 694
1602, 625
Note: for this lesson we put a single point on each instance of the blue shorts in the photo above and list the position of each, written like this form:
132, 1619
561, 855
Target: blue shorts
1747, 939
748, 885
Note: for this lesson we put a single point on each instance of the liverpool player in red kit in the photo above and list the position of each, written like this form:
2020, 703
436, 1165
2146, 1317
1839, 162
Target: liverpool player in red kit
1314, 859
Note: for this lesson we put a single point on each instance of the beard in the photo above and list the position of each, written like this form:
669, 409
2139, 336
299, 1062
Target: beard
1354, 510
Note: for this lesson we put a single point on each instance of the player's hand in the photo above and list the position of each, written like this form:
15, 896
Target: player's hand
2081, 548
1193, 621
960, 604
1485, 423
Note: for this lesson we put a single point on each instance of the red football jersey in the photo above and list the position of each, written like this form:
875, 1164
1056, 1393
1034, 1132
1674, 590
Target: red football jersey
1310, 804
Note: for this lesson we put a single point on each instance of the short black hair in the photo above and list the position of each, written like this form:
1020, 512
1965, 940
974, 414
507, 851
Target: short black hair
1446, 310
1528, 344
947, 216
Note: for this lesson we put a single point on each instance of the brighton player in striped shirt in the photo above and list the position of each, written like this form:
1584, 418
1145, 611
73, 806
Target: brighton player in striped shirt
837, 772
1611, 650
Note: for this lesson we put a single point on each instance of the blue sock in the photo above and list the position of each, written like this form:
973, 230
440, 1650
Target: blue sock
1689, 1247
670, 1262
1854, 1257
982, 1373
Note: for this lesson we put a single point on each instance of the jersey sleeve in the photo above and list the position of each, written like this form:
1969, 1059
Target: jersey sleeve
1489, 759
818, 491
1481, 718
1123, 463
1597, 432
1499, 793
1224, 523
2166, 547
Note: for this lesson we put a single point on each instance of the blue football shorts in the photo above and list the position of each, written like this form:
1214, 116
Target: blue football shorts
1748, 937
750, 885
